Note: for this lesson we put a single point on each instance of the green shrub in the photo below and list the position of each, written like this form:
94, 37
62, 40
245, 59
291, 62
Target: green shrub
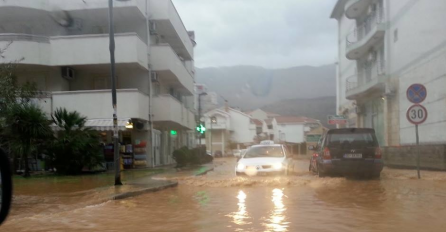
185, 156
181, 156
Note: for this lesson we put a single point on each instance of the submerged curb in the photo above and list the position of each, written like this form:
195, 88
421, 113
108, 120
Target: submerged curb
205, 172
143, 191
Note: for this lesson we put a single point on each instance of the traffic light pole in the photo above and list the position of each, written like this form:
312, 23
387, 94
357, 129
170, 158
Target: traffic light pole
199, 119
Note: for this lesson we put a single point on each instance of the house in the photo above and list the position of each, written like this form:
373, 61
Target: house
228, 128
384, 47
261, 114
65, 49
293, 132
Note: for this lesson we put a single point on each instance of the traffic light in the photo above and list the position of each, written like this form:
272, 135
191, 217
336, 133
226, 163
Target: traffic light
201, 128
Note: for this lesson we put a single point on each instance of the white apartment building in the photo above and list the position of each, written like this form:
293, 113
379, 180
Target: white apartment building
63, 46
229, 126
384, 47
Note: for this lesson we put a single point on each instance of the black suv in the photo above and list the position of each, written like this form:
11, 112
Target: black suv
347, 151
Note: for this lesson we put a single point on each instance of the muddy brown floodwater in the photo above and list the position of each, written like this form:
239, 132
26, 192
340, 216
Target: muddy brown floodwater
219, 201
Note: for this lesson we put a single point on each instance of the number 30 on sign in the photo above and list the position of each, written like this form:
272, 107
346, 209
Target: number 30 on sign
416, 114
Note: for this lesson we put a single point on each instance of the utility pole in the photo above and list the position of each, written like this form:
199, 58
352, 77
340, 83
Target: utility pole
199, 114
117, 159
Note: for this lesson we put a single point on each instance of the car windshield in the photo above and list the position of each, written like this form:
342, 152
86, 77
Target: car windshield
270, 151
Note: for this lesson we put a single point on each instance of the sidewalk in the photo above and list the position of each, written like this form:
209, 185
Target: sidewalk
54, 194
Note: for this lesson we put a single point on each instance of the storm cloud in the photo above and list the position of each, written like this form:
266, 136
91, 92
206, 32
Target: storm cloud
266, 33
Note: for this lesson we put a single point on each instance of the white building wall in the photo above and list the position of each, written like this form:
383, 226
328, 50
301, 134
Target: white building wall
240, 125
418, 55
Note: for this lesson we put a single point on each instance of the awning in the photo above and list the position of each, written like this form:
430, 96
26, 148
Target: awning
105, 124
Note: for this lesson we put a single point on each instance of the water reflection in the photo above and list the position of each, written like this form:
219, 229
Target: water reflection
277, 222
239, 217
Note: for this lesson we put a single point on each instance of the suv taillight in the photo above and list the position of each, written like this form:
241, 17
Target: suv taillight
378, 153
327, 155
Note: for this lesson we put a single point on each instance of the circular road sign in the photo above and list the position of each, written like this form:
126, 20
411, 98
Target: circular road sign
416, 114
416, 93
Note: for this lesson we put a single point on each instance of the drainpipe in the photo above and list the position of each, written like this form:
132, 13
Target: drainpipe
152, 149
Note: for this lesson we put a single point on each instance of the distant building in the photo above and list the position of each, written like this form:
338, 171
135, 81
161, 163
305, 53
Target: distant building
230, 129
261, 114
208, 101
384, 47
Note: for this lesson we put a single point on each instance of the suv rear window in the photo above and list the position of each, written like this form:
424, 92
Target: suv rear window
342, 139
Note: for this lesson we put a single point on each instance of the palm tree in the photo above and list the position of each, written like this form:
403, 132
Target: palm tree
26, 128
76, 146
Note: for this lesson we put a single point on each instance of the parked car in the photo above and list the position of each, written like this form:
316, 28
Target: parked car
347, 151
264, 160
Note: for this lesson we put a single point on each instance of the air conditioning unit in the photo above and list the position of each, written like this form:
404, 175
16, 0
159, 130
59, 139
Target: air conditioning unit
154, 77
152, 28
68, 73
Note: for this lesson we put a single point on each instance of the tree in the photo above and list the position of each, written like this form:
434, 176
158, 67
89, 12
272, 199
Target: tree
12, 94
26, 128
76, 146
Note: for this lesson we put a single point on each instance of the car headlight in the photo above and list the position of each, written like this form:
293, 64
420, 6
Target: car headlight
240, 166
277, 166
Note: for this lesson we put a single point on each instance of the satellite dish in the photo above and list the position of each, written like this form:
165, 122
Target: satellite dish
62, 17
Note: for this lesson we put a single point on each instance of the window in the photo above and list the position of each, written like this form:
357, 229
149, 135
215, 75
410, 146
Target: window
395, 35
270, 126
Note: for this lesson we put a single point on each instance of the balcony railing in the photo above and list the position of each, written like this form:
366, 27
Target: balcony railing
368, 78
362, 31
10, 37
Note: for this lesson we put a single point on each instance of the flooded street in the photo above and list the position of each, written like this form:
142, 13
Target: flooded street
219, 201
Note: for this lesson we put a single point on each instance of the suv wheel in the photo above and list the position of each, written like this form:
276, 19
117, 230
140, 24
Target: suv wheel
319, 172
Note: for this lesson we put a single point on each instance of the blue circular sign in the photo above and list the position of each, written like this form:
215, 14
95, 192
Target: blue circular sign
416, 93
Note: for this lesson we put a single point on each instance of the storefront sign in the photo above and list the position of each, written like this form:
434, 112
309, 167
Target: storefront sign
313, 138
337, 119
173, 132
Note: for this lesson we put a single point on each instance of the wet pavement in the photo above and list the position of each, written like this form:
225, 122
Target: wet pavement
219, 201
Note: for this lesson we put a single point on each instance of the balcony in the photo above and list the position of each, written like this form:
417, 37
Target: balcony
168, 24
94, 49
371, 80
355, 8
95, 104
169, 112
73, 50
28, 49
130, 8
365, 36
171, 69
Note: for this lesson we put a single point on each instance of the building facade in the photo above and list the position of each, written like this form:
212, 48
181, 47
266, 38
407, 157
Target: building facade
228, 129
384, 47
63, 46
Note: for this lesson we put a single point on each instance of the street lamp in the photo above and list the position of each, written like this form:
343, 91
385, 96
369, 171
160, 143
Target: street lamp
114, 101
213, 120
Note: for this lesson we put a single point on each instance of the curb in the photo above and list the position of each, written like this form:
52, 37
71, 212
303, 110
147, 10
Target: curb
143, 191
205, 172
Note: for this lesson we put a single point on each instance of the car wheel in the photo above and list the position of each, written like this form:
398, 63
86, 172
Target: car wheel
319, 172
375, 175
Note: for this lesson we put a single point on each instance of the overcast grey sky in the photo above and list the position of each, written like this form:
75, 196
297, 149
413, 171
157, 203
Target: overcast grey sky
267, 33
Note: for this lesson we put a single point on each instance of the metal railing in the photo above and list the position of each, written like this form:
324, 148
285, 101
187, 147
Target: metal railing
351, 82
361, 31
366, 75
24, 37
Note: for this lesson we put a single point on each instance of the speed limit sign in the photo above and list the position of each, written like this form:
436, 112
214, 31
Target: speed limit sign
416, 114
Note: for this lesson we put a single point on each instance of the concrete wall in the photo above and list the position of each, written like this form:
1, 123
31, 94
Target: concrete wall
259, 114
291, 133
97, 104
240, 125
431, 156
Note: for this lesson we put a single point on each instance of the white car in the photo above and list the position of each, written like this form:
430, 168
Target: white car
263, 160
